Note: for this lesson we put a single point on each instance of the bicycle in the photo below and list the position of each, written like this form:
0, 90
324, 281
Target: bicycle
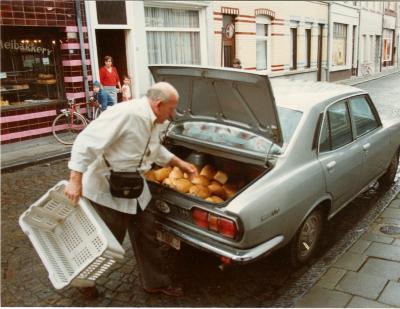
71, 121
366, 69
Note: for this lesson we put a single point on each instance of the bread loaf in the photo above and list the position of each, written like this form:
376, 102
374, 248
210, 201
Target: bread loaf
216, 189
167, 182
181, 185
199, 191
208, 171
200, 180
214, 199
176, 173
230, 190
151, 176
221, 177
162, 173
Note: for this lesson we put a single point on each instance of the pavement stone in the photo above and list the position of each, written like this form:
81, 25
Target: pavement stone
350, 261
377, 238
360, 246
395, 203
382, 268
331, 278
362, 284
384, 251
359, 302
391, 213
391, 294
319, 297
397, 242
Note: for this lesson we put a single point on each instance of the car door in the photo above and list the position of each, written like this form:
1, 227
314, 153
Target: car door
370, 136
339, 154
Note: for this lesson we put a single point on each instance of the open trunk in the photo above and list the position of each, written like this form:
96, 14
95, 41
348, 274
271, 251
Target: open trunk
220, 178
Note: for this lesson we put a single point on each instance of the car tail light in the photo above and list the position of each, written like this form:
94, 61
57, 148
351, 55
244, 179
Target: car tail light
213, 222
200, 217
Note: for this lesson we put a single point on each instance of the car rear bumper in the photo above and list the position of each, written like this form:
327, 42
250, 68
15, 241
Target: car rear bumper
210, 245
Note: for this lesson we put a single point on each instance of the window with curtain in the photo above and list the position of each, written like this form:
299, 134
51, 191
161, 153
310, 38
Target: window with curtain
262, 42
387, 44
339, 44
173, 35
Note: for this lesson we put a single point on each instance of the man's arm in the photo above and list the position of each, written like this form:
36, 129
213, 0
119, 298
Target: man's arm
73, 190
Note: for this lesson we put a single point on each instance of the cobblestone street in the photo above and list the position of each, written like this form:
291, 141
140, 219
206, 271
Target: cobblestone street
267, 282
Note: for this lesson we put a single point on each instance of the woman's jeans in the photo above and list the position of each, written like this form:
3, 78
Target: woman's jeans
112, 91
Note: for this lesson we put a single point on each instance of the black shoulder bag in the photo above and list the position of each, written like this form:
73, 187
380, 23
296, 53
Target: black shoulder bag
126, 184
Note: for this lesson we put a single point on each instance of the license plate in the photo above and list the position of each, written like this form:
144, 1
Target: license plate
169, 239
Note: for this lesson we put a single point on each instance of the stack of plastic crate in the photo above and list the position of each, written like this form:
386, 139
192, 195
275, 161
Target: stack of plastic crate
73, 242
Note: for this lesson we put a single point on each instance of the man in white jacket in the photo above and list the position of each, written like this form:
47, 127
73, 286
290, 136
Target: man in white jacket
128, 134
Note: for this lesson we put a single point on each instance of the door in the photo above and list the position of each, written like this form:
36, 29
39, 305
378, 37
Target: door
370, 137
228, 40
112, 43
340, 156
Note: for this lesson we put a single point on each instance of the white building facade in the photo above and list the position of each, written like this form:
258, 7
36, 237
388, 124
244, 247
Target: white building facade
281, 38
140, 33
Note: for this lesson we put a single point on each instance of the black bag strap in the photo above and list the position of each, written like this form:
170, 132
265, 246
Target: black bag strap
144, 152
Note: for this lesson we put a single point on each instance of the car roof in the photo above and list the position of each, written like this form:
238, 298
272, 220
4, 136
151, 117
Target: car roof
303, 95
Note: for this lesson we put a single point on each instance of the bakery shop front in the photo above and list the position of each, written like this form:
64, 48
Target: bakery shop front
31, 80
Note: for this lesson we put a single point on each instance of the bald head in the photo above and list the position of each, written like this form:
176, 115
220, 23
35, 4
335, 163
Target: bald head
163, 92
163, 99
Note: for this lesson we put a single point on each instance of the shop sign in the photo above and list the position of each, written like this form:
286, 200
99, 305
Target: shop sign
14, 45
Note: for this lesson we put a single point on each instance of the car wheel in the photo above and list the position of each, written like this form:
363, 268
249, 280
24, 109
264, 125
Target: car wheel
387, 179
307, 238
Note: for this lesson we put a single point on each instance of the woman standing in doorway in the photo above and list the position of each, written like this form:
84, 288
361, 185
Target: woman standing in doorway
109, 78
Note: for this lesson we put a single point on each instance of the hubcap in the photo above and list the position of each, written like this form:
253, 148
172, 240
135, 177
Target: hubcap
309, 235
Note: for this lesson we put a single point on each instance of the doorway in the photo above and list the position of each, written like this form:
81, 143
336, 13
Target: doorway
112, 43
319, 53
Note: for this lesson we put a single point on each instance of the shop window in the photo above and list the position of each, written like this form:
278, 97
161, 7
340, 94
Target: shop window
173, 36
30, 65
339, 44
111, 12
387, 44
262, 42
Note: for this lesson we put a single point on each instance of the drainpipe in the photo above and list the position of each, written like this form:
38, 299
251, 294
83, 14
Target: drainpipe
358, 40
82, 47
328, 60
383, 19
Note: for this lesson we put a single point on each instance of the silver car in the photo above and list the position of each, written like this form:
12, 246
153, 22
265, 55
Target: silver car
303, 151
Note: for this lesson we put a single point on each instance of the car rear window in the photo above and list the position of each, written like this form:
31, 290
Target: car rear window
289, 120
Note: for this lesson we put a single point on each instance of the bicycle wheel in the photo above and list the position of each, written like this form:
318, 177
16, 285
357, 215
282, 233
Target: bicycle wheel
66, 127
97, 112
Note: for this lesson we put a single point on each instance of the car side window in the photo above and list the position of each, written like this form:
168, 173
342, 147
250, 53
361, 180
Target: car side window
362, 115
336, 129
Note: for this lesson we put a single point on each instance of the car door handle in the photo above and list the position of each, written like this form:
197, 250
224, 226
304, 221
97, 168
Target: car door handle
366, 146
331, 165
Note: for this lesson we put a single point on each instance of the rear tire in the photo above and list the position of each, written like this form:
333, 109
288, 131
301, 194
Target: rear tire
304, 244
388, 178
66, 129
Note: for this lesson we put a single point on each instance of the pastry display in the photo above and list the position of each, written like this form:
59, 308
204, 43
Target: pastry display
216, 189
230, 190
162, 173
151, 176
46, 79
176, 173
181, 185
214, 199
208, 171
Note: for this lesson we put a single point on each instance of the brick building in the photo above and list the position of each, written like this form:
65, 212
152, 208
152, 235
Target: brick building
41, 64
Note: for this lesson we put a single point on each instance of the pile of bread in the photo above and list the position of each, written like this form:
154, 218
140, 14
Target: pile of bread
210, 184
46, 79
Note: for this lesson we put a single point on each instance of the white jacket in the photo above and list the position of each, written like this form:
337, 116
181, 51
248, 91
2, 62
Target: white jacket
121, 134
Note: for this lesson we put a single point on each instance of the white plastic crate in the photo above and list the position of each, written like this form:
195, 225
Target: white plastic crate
73, 242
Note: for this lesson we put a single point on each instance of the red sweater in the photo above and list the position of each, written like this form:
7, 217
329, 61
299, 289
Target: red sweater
107, 78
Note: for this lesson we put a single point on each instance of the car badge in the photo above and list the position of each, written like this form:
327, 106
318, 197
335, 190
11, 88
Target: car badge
162, 207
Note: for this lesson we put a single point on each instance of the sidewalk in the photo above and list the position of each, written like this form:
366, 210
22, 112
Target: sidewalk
29, 152
368, 274
19, 154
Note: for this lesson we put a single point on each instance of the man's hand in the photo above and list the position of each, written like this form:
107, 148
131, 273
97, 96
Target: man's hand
73, 190
186, 167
